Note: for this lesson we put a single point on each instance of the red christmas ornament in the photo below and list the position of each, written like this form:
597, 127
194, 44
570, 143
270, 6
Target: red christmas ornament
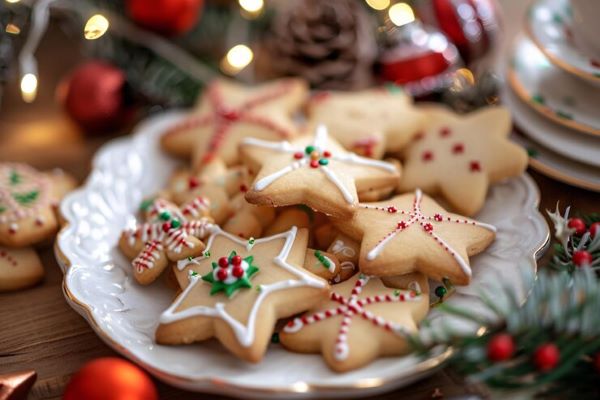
93, 95
472, 25
168, 17
546, 357
578, 224
110, 378
582, 257
501, 347
594, 229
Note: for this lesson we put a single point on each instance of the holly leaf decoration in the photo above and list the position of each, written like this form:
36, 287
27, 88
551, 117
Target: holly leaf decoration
219, 285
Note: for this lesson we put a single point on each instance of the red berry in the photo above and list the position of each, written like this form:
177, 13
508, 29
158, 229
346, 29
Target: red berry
222, 274
501, 347
237, 271
193, 182
166, 226
314, 163
546, 357
578, 225
582, 257
594, 229
223, 262
236, 260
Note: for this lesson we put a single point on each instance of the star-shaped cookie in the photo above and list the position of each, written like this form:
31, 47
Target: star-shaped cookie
242, 318
412, 233
361, 320
460, 156
315, 171
229, 111
368, 122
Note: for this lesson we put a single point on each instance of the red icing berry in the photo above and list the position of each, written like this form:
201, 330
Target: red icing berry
401, 225
392, 209
298, 155
428, 227
578, 224
427, 156
546, 357
314, 163
582, 257
594, 229
475, 166
458, 148
222, 274
223, 262
326, 154
237, 271
445, 132
166, 226
438, 217
236, 260
193, 182
501, 347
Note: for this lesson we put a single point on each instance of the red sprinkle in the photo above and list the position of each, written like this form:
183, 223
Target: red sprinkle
314, 163
193, 182
298, 155
401, 225
392, 209
243, 188
445, 132
427, 155
166, 226
326, 154
428, 227
475, 166
458, 148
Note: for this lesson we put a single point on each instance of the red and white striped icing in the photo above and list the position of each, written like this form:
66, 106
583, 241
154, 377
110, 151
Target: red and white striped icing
148, 257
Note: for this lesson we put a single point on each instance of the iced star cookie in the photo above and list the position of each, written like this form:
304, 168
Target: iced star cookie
369, 122
361, 321
238, 290
229, 111
19, 268
313, 170
412, 233
459, 156
27, 203
170, 234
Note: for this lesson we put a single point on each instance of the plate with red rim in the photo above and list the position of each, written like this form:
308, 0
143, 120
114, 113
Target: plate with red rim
98, 283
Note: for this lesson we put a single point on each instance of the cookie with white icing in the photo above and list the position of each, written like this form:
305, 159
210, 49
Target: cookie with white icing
412, 233
229, 111
238, 290
369, 122
313, 170
28, 201
19, 268
459, 156
361, 321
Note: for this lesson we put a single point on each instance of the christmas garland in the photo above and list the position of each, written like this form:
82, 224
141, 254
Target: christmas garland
550, 345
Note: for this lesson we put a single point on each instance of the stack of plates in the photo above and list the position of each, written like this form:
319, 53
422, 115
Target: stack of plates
554, 94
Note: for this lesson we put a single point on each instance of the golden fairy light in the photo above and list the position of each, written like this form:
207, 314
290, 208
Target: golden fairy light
237, 58
252, 6
378, 4
401, 14
95, 27
29, 84
12, 1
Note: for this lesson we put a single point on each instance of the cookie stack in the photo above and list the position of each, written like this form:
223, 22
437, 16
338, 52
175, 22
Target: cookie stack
304, 230
28, 200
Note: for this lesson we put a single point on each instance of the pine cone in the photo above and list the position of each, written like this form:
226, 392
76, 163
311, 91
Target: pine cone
330, 43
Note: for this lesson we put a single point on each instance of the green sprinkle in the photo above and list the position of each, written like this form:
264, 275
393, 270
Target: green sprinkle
258, 288
361, 276
175, 224
323, 161
538, 98
190, 258
275, 338
2, 209
440, 291
15, 178
207, 253
563, 114
26, 198
322, 259
533, 153
145, 205
165, 216
396, 293
193, 273
309, 149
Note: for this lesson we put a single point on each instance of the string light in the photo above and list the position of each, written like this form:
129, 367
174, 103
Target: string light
237, 58
378, 4
252, 6
95, 27
29, 84
401, 14
12, 1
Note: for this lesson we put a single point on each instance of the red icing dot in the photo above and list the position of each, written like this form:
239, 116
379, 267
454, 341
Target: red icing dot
458, 148
243, 188
438, 217
237, 271
326, 154
428, 227
223, 262
392, 209
314, 163
229, 114
298, 155
236, 260
445, 132
193, 182
401, 225
222, 274
475, 166
166, 226
427, 155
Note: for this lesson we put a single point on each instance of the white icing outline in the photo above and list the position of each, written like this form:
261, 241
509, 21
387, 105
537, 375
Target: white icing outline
244, 334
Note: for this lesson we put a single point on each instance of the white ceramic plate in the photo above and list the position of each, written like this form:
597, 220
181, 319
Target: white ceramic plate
557, 95
548, 24
564, 141
98, 283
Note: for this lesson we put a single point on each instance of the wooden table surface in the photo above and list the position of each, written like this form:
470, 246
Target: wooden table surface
38, 330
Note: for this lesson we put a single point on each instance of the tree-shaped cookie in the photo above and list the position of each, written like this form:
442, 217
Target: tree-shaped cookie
229, 111
459, 156
361, 321
27, 201
412, 233
239, 289
170, 234
368, 122
313, 170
